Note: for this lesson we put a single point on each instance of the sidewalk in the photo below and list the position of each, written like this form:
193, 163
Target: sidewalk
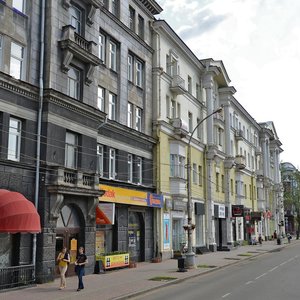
119, 284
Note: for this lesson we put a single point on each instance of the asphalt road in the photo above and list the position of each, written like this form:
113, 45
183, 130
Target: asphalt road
273, 276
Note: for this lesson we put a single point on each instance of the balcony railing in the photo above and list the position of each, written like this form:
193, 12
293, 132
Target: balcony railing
177, 85
17, 276
61, 176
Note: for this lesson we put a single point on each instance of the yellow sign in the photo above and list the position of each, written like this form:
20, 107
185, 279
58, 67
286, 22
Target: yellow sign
73, 244
115, 261
121, 195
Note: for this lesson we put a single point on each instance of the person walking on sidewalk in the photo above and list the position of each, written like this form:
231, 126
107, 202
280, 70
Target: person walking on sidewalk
63, 260
80, 263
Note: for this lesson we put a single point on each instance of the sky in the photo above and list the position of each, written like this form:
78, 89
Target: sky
259, 44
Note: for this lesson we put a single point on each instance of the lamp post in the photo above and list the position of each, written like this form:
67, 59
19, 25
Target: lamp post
190, 255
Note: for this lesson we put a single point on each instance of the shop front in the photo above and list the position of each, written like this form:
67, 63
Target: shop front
125, 220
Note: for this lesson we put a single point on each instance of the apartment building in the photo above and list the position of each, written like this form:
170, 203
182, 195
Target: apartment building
76, 120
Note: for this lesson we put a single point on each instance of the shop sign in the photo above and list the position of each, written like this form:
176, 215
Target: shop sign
179, 205
237, 210
166, 232
256, 215
128, 196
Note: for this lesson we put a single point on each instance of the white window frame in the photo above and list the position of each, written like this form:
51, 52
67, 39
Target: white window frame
16, 60
14, 139
173, 109
101, 98
190, 85
130, 168
177, 166
139, 170
130, 67
102, 47
190, 116
74, 83
200, 176
112, 56
112, 164
139, 73
138, 119
19, 5
112, 109
100, 155
71, 150
168, 106
130, 115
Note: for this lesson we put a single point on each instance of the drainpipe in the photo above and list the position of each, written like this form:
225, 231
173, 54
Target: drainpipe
39, 127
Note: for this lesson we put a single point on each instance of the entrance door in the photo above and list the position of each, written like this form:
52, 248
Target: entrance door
135, 236
68, 234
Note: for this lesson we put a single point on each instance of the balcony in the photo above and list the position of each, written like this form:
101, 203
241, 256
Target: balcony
240, 162
74, 45
73, 181
177, 86
239, 134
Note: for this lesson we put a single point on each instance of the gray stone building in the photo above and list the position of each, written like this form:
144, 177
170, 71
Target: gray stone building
76, 125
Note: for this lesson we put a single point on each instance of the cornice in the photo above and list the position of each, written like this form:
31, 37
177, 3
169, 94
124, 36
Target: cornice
19, 87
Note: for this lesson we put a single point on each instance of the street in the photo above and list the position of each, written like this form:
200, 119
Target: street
271, 276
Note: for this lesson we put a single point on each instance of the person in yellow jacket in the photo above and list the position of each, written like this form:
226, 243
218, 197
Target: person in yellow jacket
63, 260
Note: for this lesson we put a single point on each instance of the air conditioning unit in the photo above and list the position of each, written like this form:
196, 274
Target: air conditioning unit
179, 124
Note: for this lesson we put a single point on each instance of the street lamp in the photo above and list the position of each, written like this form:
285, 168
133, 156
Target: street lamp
190, 255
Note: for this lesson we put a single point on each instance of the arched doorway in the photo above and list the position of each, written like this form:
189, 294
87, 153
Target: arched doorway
68, 233
136, 236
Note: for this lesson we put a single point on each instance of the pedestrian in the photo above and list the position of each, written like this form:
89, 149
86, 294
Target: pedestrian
289, 237
275, 235
63, 260
80, 263
260, 239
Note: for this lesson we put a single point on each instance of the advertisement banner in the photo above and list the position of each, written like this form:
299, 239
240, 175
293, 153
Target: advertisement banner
166, 231
115, 261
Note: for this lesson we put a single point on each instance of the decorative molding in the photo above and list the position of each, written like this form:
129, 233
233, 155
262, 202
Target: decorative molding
56, 203
91, 210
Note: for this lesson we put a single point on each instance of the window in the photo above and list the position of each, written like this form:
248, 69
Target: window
76, 19
130, 68
112, 163
178, 110
16, 60
100, 160
139, 170
168, 105
195, 174
245, 191
217, 181
141, 26
112, 56
19, 5
222, 184
220, 134
14, 139
112, 107
139, 73
101, 98
173, 109
74, 83
115, 7
190, 122
231, 187
199, 129
71, 150
129, 168
190, 85
177, 166
102, 47
198, 91
138, 119
200, 175
131, 18
129, 115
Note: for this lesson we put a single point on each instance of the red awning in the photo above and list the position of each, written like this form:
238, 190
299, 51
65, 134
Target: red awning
17, 214
101, 218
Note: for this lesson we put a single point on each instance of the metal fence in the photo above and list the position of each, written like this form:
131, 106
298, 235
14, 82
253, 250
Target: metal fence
12, 277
